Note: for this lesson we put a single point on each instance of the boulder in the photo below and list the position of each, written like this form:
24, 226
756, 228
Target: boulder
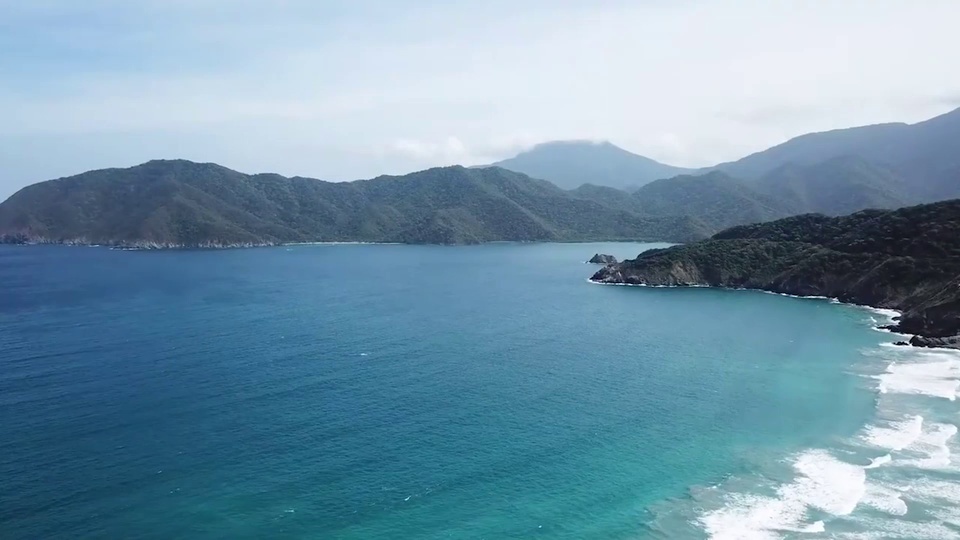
951, 342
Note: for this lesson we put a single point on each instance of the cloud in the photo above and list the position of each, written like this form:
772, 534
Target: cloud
346, 89
450, 149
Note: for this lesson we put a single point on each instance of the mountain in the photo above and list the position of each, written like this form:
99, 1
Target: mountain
181, 203
570, 164
906, 259
607, 196
715, 199
926, 155
834, 187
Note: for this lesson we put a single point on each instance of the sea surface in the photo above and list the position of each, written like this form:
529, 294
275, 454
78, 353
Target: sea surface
487, 392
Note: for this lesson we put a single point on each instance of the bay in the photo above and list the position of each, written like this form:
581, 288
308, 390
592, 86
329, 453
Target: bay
386, 391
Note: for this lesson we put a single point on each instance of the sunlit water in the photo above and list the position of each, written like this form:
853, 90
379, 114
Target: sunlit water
363, 391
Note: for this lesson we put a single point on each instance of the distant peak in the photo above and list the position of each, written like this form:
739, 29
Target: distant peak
169, 162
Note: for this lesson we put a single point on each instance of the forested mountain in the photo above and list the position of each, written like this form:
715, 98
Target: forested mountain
714, 198
174, 203
184, 203
925, 155
837, 186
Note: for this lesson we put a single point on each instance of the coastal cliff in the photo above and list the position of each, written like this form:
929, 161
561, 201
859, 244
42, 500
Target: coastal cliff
906, 259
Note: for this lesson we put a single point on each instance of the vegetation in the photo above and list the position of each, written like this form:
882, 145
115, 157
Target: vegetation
834, 187
907, 259
715, 199
924, 156
181, 203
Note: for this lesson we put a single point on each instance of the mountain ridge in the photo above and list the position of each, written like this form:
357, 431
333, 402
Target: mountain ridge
925, 154
175, 203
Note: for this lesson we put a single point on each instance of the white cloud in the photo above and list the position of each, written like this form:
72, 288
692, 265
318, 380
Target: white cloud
448, 150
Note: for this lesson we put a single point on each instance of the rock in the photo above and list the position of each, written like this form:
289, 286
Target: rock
901, 343
950, 342
600, 258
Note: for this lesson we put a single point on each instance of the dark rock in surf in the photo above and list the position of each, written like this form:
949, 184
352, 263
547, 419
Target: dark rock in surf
950, 342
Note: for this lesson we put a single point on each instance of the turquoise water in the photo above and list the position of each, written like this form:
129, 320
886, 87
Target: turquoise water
363, 391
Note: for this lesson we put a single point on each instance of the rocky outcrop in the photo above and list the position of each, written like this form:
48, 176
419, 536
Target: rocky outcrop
908, 260
600, 258
952, 342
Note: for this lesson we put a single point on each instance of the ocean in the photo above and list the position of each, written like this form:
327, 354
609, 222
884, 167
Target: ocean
488, 392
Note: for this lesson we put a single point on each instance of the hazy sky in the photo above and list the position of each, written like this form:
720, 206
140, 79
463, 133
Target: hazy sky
355, 88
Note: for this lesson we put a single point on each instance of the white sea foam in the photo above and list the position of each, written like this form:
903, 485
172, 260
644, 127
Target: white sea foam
885, 499
879, 461
896, 436
887, 314
929, 490
896, 529
823, 483
864, 502
938, 375
933, 446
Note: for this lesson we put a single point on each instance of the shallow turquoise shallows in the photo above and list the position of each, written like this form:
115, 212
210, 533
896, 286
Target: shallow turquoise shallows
381, 391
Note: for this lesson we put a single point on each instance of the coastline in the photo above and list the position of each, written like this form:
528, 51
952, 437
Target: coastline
894, 477
160, 246
914, 340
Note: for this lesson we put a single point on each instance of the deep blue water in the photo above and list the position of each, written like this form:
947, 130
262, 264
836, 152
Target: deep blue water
377, 391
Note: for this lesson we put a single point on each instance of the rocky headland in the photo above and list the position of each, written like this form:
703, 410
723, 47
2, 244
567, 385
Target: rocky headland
907, 260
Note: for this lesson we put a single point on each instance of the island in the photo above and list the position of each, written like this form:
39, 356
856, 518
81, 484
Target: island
601, 258
906, 259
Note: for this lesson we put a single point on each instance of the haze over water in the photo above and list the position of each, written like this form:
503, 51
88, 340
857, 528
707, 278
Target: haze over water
363, 391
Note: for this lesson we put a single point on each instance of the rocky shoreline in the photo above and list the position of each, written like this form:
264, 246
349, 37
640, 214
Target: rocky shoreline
915, 340
926, 328
906, 260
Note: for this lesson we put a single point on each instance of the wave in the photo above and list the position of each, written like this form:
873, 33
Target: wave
938, 375
823, 483
879, 461
933, 448
895, 478
897, 436
909, 486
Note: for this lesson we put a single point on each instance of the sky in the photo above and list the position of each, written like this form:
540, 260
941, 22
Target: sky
347, 89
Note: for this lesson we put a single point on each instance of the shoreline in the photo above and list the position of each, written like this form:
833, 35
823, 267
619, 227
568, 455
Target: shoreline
164, 246
915, 340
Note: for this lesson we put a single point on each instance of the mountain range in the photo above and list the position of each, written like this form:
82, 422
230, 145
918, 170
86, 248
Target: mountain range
181, 203
177, 203
918, 161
